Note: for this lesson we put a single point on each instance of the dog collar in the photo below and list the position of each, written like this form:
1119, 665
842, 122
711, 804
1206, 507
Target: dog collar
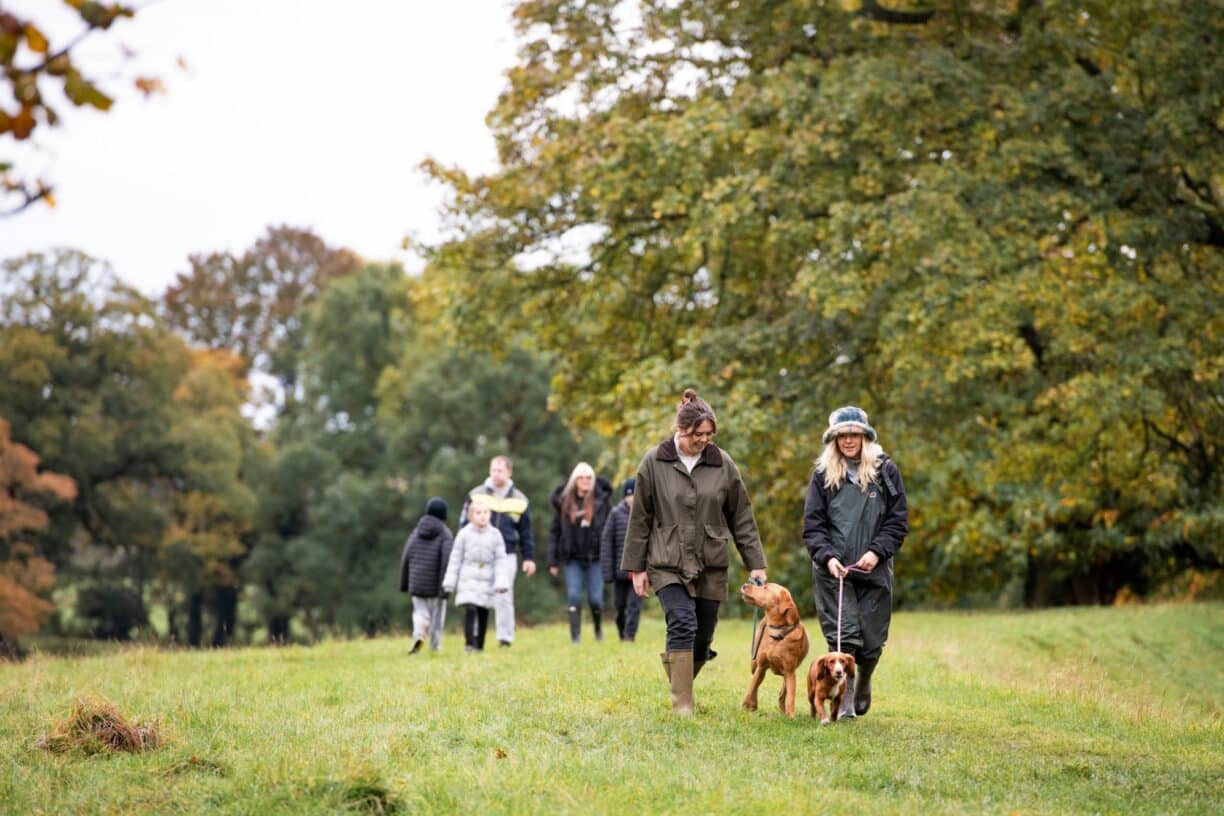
786, 630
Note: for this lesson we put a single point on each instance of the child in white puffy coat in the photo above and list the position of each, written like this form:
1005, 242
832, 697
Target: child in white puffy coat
479, 568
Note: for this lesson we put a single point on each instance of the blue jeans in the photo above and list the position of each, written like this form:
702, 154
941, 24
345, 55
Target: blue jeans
580, 575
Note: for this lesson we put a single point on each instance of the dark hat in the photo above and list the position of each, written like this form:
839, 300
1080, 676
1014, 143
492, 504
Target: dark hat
437, 508
848, 420
627, 486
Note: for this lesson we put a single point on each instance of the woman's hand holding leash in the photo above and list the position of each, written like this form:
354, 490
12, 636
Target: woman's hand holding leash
757, 577
865, 564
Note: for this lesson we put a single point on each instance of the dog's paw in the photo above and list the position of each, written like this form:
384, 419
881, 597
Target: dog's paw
749, 705
826, 721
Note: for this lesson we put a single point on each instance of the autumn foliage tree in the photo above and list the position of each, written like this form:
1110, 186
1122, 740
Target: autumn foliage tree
26, 577
252, 304
31, 66
213, 508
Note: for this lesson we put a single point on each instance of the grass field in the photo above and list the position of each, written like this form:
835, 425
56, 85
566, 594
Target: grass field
1067, 711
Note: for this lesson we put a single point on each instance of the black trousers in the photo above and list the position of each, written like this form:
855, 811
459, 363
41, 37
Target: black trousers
475, 624
628, 608
690, 621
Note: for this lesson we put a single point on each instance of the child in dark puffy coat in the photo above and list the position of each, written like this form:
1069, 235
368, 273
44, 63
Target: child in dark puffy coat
422, 567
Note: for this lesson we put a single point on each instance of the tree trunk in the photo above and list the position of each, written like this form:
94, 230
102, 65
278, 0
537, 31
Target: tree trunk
278, 629
10, 649
195, 619
227, 615
1038, 584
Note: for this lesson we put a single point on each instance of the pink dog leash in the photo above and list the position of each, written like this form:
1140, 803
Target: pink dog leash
841, 583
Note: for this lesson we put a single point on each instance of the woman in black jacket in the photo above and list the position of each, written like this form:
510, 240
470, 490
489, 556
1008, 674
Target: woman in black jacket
854, 520
580, 508
422, 568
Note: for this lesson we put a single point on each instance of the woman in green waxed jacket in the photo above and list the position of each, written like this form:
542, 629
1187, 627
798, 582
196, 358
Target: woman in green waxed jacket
854, 520
691, 506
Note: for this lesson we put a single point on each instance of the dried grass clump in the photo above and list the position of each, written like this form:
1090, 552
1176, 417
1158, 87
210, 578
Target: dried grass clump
95, 726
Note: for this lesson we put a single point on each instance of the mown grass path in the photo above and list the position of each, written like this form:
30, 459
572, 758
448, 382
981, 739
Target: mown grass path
1065, 711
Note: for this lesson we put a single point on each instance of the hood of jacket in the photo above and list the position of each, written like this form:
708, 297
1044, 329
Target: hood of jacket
430, 527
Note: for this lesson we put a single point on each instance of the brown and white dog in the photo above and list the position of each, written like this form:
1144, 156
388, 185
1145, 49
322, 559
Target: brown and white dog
828, 678
780, 643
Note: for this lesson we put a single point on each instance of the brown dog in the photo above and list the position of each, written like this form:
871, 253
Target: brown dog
828, 678
779, 645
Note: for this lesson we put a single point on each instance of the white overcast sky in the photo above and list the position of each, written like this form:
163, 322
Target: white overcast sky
299, 112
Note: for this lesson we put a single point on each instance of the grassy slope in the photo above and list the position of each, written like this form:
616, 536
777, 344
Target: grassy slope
1066, 711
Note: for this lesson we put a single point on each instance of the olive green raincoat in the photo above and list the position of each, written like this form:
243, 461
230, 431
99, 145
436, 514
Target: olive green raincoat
682, 525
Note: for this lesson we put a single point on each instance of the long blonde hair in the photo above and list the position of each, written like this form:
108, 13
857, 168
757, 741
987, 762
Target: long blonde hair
833, 464
569, 495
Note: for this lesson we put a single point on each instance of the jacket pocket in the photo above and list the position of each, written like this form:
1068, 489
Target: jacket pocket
714, 552
664, 549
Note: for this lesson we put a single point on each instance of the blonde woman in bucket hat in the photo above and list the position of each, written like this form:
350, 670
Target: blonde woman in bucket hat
854, 521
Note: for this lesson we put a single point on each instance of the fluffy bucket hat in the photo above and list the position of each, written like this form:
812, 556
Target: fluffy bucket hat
848, 420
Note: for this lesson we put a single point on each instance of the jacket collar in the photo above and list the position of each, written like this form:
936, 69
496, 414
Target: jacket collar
710, 454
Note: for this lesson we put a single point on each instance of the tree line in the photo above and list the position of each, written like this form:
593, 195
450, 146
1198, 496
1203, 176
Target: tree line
267, 432
997, 226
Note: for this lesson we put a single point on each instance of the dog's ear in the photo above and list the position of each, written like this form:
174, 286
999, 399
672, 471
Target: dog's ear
786, 604
849, 661
822, 668
790, 614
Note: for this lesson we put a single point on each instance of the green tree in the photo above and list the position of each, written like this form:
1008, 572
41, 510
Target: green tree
995, 225
254, 306
392, 413
332, 513
93, 377
446, 411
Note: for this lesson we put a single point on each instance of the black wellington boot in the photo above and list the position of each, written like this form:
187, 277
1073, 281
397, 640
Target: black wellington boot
597, 617
575, 621
862, 687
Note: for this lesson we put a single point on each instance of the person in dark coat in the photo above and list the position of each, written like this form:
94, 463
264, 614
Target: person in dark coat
690, 506
855, 513
611, 547
422, 567
580, 508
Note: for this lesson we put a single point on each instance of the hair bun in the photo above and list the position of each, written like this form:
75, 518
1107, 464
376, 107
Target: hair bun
689, 396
